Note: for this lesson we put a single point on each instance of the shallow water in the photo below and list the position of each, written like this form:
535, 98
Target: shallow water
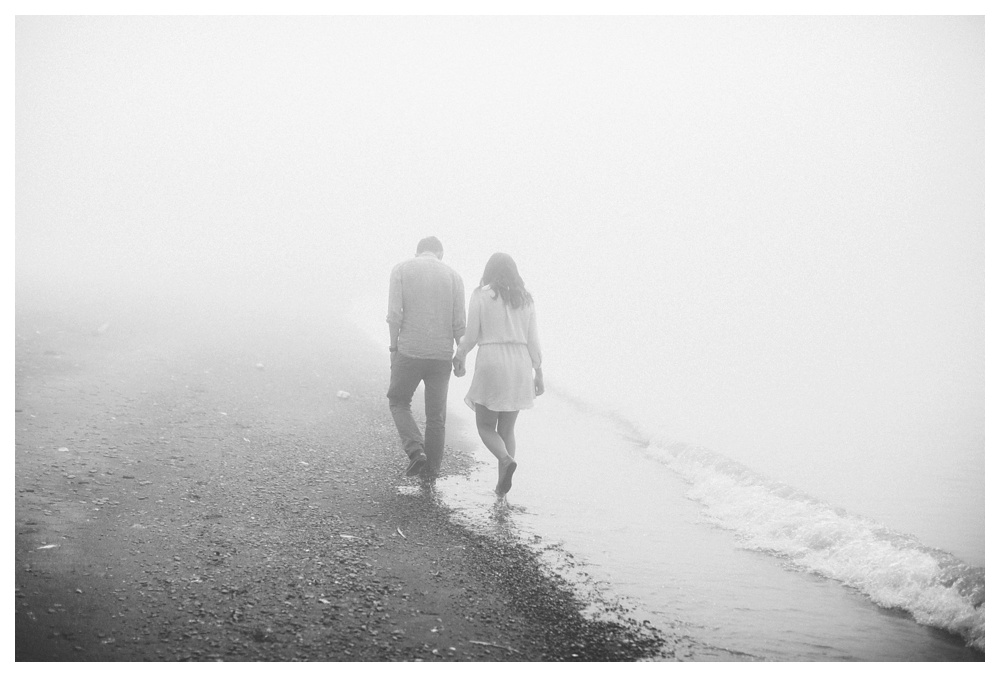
704, 548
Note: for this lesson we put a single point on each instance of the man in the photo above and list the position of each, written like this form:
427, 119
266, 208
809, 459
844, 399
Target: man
426, 319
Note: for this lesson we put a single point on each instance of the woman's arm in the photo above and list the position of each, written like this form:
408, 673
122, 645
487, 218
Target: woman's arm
535, 350
471, 336
472, 327
534, 346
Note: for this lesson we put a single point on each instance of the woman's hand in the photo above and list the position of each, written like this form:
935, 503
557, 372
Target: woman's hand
539, 382
458, 364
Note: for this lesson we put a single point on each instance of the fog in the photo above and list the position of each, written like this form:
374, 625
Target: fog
764, 235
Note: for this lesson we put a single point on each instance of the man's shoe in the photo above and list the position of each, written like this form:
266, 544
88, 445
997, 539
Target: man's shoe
416, 464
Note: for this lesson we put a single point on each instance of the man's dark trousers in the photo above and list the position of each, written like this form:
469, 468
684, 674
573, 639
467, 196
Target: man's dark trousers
406, 374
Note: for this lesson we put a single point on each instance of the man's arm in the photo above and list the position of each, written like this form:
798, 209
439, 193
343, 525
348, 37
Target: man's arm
458, 310
395, 316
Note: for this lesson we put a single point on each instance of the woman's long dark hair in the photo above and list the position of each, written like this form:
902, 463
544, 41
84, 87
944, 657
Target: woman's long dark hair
501, 275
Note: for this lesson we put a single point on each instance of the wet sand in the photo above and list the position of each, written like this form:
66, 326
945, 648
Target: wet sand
190, 487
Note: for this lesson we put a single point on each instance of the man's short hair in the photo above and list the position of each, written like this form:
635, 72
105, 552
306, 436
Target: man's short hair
430, 244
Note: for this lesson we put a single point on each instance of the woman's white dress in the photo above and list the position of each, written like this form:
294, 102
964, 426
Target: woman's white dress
508, 352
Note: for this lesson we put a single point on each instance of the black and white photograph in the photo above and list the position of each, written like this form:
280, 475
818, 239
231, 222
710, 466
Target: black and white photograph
442, 333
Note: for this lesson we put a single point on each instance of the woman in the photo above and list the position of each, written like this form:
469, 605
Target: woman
501, 321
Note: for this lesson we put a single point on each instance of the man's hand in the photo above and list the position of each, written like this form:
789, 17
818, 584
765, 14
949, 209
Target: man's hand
458, 364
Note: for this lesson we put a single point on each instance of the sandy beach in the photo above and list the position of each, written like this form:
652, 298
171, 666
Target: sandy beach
193, 488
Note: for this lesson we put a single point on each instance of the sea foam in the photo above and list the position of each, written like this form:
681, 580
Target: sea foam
894, 570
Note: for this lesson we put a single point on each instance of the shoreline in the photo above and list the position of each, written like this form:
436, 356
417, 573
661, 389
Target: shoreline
201, 493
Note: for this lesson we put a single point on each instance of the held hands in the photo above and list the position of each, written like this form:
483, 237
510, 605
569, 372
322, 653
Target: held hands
458, 364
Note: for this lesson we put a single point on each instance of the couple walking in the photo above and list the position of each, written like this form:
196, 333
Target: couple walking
426, 319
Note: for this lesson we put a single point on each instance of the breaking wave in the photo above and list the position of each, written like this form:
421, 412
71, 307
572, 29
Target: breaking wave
894, 570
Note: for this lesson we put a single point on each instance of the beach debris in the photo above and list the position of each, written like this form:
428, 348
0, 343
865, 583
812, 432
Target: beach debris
46, 547
343, 394
495, 646
63, 448
398, 531
260, 365
348, 536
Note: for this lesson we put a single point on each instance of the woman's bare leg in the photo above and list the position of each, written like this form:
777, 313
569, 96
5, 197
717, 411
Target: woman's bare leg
505, 428
486, 423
